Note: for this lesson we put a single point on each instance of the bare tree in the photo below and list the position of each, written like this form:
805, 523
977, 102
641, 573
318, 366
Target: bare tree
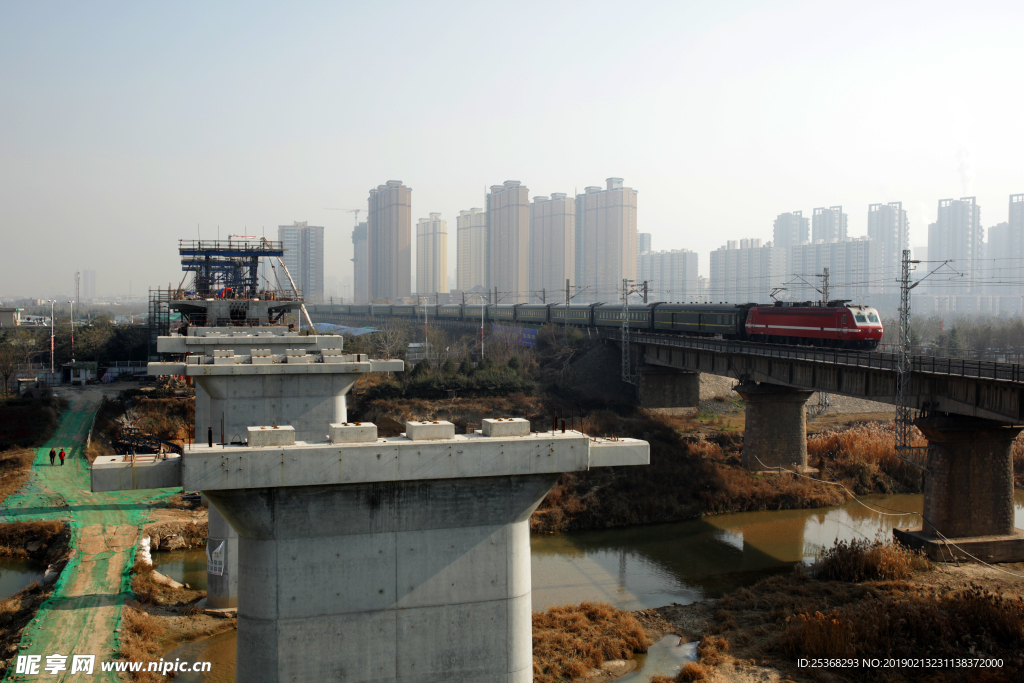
14, 352
391, 339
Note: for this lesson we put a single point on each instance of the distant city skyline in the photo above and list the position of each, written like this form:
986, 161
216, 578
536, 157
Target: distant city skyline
121, 137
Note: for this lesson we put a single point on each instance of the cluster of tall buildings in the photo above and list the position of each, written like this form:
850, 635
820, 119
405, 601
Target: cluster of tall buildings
521, 249
514, 249
793, 264
868, 268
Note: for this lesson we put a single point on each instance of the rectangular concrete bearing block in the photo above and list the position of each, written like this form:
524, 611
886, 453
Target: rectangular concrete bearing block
262, 356
352, 432
429, 431
223, 357
296, 356
510, 426
264, 437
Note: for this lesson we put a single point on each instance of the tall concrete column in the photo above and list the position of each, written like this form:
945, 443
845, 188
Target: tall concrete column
776, 426
968, 488
662, 387
412, 581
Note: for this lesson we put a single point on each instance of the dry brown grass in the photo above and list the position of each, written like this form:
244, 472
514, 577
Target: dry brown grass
140, 639
689, 475
864, 457
570, 641
970, 622
15, 466
863, 560
15, 536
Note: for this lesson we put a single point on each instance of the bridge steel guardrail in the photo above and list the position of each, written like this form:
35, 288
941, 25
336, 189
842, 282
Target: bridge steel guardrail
959, 367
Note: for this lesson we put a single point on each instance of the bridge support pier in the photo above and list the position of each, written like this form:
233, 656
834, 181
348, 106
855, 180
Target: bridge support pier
968, 492
776, 426
662, 387
418, 580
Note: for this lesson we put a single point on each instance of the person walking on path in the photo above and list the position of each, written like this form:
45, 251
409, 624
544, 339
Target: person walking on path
62, 457
53, 455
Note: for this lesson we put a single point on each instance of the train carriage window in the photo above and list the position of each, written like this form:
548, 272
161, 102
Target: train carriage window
844, 320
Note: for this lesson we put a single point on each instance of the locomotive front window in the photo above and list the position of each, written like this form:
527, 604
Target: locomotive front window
860, 318
873, 318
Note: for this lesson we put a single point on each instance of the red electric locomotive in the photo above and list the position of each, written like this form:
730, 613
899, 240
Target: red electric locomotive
836, 325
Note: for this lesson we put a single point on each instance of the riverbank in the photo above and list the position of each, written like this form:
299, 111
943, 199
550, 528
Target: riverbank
861, 601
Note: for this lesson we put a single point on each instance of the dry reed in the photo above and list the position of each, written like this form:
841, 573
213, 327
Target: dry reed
570, 641
140, 639
863, 560
864, 457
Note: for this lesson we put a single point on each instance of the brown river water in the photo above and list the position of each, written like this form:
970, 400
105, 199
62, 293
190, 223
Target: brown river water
641, 567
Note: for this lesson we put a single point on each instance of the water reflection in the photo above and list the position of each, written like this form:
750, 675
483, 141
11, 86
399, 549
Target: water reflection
651, 566
15, 574
184, 566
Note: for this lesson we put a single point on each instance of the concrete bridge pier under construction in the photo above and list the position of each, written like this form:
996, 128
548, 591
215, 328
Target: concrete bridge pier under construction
363, 558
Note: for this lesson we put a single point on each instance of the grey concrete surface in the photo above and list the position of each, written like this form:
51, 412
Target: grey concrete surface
263, 437
417, 581
508, 426
352, 432
114, 473
429, 431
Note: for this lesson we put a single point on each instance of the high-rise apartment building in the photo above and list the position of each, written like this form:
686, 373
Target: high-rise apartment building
508, 241
828, 225
304, 256
552, 247
431, 255
389, 241
852, 265
889, 228
670, 275
606, 243
957, 235
1005, 250
88, 284
743, 271
643, 245
791, 228
471, 250
360, 279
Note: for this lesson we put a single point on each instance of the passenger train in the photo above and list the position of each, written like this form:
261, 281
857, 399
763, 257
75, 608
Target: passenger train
839, 324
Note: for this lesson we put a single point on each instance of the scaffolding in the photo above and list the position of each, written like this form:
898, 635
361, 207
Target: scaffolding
230, 269
159, 320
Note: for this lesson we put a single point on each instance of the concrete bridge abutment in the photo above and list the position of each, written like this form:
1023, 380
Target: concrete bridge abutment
663, 387
968, 491
775, 434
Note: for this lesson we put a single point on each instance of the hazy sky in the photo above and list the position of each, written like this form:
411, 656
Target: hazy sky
123, 126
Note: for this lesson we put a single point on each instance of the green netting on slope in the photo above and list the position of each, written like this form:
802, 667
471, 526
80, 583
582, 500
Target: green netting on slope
56, 492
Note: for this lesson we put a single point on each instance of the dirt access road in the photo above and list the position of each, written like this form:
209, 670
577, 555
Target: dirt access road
84, 610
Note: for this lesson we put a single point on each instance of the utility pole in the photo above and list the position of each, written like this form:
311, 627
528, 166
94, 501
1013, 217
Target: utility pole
627, 374
72, 330
916, 456
52, 302
824, 286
